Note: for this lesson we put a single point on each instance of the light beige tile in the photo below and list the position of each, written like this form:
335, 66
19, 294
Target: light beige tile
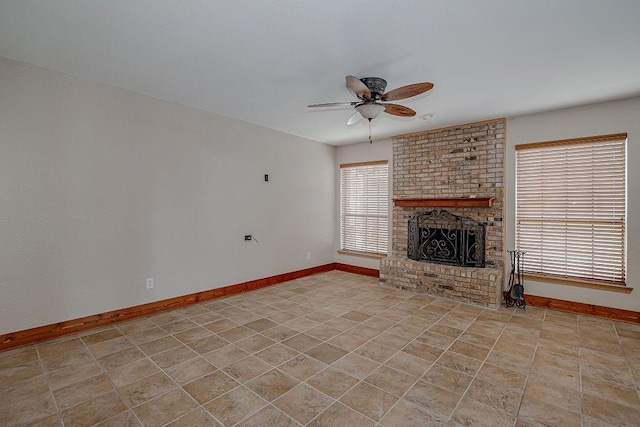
502, 377
165, 318
323, 332
303, 403
235, 405
193, 334
218, 326
28, 410
509, 361
408, 363
613, 391
237, 333
261, 325
391, 340
132, 372
94, 411
268, 416
190, 370
110, 346
471, 412
543, 391
173, 356
25, 389
332, 382
225, 355
493, 395
198, 417
255, 343
423, 351
609, 372
104, 335
301, 342
459, 363
148, 335
405, 413
272, 384
18, 356
210, 386
73, 374
302, 367
347, 341
51, 348
449, 379
340, 415
207, 344
369, 400
349, 322
434, 399
541, 413
159, 345
247, 368
135, 326
83, 391
547, 359
165, 408
356, 365
120, 358
436, 340
611, 412
147, 388
470, 350
15, 374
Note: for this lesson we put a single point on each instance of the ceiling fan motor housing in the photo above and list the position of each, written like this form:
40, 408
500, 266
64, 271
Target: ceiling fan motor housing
376, 86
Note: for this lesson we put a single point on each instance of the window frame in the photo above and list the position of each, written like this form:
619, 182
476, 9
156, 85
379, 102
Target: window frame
553, 150
377, 211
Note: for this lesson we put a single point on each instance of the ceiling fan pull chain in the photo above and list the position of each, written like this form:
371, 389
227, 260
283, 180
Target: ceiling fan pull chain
370, 140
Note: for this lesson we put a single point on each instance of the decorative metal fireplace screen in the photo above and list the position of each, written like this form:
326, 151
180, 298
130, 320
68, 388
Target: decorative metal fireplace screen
444, 238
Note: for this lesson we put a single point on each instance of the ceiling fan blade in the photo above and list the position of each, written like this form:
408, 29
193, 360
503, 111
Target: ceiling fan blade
354, 118
360, 89
399, 110
407, 91
331, 104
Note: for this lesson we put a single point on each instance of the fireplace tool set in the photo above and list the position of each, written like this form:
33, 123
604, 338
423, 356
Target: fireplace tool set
514, 295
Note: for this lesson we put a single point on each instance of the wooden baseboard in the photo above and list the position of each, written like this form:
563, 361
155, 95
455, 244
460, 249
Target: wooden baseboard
358, 270
57, 330
582, 308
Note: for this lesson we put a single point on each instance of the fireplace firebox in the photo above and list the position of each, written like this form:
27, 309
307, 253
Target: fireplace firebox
441, 237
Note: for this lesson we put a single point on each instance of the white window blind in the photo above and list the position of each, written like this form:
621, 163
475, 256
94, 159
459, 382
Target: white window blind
364, 207
571, 207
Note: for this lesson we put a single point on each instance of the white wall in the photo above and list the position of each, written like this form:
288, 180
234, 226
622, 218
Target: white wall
590, 120
101, 188
354, 153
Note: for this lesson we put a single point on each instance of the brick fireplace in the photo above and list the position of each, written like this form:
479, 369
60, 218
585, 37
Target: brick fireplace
458, 169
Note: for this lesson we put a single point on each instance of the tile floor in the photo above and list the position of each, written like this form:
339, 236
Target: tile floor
334, 349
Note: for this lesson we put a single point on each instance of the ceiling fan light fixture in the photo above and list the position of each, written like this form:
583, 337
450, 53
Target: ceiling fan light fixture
370, 110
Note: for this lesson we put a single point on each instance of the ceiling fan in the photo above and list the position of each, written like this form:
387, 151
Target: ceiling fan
373, 100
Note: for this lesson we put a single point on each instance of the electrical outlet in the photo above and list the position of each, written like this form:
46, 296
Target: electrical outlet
247, 237
308, 255
149, 283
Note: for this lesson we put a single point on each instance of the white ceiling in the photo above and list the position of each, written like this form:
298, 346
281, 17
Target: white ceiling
264, 61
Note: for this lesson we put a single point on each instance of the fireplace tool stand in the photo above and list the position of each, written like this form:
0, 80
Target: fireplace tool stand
514, 295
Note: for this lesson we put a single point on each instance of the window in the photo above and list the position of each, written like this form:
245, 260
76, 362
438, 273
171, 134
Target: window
571, 207
364, 207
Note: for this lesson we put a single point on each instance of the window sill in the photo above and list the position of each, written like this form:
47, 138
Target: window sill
363, 254
582, 283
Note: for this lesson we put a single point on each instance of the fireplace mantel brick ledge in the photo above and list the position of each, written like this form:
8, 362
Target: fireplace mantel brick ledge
481, 286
